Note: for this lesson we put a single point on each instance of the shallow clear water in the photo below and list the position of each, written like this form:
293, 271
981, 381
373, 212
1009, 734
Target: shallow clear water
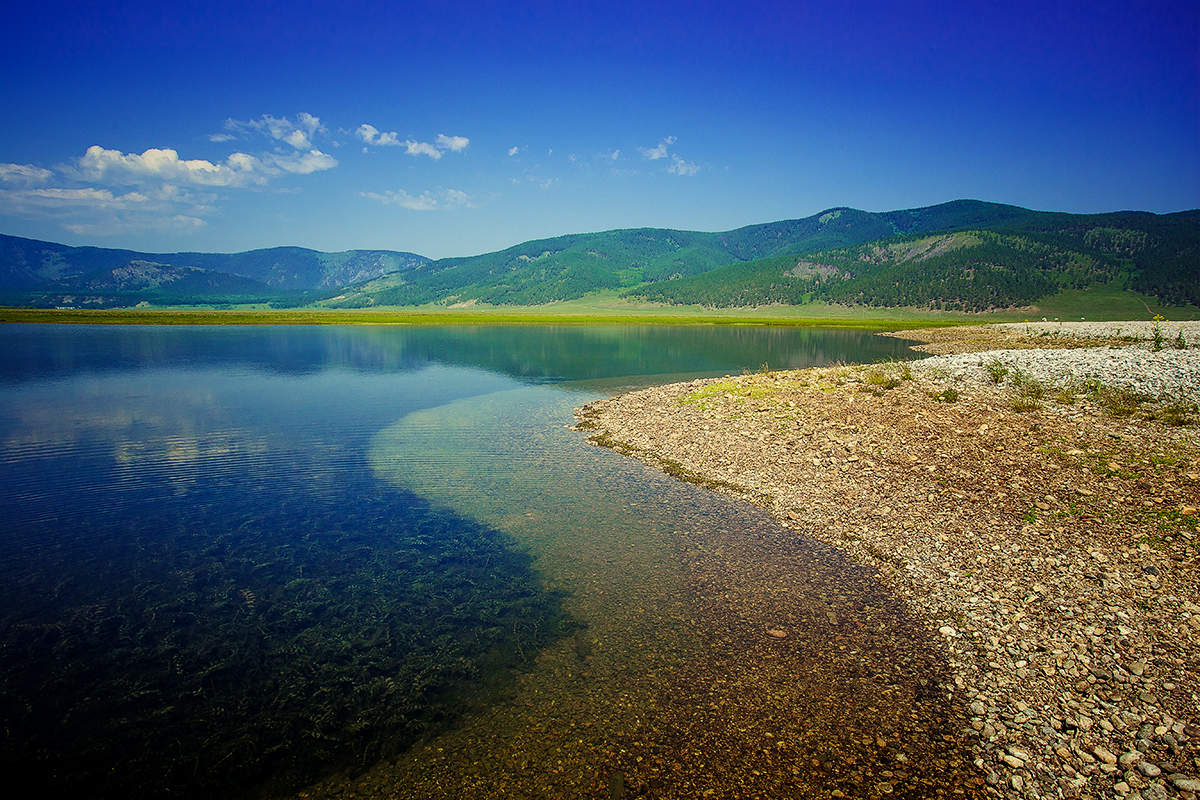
240, 560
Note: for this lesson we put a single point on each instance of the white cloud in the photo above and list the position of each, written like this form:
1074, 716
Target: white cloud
163, 201
297, 139
93, 211
107, 190
298, 132
615, 154
239, 169
678, 165
512, 151
414, 148
309, 122
243, 162
96, 211
304, 163
454, 144
88, 196
425, 201
681, 167
101, 164
373, 136
23, 174
659, 150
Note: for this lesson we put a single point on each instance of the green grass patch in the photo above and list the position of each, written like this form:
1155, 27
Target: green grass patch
1101, 303
719, 389
878, 381
547, 315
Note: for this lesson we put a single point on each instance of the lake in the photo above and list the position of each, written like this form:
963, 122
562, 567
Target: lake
247, 561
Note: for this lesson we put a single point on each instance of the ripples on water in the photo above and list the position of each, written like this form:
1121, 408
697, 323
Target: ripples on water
235, 560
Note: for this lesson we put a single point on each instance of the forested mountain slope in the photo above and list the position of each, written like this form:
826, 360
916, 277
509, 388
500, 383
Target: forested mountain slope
1155, 254
1012, 264
965, 254
566, 267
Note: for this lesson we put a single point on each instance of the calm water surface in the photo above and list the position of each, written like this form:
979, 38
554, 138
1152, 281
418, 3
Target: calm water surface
240, 561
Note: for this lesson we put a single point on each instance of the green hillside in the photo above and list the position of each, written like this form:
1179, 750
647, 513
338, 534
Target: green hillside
1002, 256
567, 267
1014, 264
30, 265
146, 282
673, 262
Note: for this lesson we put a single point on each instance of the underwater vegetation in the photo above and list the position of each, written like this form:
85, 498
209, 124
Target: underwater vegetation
245, 641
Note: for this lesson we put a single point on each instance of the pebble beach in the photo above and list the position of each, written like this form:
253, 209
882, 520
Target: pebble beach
1030, 494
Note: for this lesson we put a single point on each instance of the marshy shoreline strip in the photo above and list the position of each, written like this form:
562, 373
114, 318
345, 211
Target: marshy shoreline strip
668, 316
1031, 494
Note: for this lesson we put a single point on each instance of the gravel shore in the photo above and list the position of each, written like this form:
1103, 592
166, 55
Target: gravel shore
1036, 508
1167, 375
1146, 331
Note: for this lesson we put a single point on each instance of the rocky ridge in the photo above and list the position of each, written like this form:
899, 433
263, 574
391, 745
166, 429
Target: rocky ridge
1044, 525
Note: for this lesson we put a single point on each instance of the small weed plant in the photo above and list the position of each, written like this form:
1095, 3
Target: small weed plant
995, 370
1027, 386
1066, 394
1021, 403
1117, 402
904, 370
1178, 414
882, 380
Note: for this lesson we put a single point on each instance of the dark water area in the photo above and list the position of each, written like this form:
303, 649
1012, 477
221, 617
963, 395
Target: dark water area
234, 637
234, 561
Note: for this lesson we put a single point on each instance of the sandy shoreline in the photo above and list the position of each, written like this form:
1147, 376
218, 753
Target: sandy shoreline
1045, 534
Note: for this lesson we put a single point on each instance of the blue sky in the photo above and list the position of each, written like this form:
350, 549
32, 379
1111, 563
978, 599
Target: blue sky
453, 129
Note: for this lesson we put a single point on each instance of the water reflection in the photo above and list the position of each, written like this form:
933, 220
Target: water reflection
540, 353
238, 559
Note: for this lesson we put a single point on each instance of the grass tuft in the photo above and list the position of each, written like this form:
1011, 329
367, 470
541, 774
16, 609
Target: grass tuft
1118, 402
882, 380
1022, 403
1178, 414
1028, 386
995, 370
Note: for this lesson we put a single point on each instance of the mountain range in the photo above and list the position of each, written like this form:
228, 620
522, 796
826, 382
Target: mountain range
34, 272
966, 254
